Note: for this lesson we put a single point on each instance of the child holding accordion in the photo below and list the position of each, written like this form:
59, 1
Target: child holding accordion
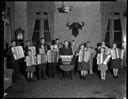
30, 63
83, 61
102, 60
117, 57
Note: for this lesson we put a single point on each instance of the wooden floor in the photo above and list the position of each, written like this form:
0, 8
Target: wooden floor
92, 87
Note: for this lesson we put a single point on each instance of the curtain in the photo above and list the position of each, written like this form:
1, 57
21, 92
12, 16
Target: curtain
7, 26
104, 26
105, 16
49, 7
123, 26
33, 24
33, 8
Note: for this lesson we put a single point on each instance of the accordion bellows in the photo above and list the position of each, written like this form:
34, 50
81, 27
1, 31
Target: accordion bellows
66, 57
52, 56
19, 53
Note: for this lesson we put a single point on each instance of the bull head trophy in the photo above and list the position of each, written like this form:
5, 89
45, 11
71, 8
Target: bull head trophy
75, 26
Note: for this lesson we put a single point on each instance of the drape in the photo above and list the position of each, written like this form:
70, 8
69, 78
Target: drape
7, 26
123, 27
33, 8
49, 7
104, 26
105, 16
31, 20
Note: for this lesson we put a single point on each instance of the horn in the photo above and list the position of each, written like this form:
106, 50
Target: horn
68, 24
82, 23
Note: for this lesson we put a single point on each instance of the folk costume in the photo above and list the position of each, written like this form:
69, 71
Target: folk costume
83, 60
102, 60
117, 56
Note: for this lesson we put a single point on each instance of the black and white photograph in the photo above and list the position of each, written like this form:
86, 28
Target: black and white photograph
65, 49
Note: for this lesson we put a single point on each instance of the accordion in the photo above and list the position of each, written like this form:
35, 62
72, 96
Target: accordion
103, 59
67, 58
87, 56
52, 56
41, 58
84, 56
19, 52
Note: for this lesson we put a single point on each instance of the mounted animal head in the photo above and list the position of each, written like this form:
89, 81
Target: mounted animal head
75, 26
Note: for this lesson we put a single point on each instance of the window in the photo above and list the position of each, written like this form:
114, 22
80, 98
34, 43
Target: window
114, 31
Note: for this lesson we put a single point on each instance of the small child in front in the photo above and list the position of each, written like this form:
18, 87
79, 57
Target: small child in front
102, 60
30, 69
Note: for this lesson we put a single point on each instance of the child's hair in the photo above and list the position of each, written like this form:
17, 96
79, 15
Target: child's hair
66, 41
57, 39
81, 45
28, 51
13, 41
88, 42
53, 42
114, 43
73, 41
27, 41
42, 38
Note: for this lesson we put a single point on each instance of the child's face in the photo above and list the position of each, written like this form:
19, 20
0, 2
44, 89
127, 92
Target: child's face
82, 47
51, 47
66, 44
103, 43
114, 45
73, 42
88, 44
42, 41
102, 50
57, 41
28, 43
13, 43
30, 53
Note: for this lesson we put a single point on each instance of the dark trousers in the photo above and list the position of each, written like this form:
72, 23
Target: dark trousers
41, 68
16, 75
52, 69
75, 61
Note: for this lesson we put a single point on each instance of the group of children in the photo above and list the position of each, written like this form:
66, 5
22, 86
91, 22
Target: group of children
104, 55
85, 58
40, 60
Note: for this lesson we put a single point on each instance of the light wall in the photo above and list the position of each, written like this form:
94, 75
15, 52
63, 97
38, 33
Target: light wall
89, 12
21, 16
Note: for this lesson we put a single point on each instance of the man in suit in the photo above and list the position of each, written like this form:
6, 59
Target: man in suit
66, 50
15, 63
